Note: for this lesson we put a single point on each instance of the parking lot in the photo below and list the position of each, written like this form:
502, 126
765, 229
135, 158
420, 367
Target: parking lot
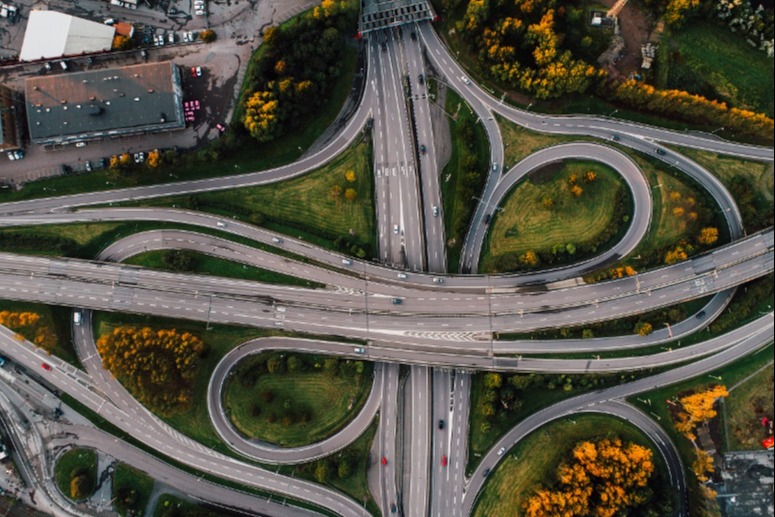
222, 63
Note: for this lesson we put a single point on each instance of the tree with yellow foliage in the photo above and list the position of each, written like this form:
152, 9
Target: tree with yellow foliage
702, 465
697, 408
529, 259
676, 255
262, 116
15, 320
590, 176
643, 328
350, 194
708, 236
576, 190
349, 175
603, 478
157, 366
154, 158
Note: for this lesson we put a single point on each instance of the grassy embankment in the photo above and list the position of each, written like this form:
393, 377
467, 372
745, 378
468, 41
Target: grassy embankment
533, 461
258, 402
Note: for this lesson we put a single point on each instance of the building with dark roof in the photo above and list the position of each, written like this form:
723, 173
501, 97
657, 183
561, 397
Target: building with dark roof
97, 104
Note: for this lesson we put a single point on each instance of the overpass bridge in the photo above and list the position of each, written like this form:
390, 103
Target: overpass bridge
381, 14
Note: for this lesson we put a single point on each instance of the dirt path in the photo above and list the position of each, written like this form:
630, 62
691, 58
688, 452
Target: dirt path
635, 27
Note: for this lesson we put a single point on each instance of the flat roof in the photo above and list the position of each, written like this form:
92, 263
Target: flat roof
51, 34
101, 101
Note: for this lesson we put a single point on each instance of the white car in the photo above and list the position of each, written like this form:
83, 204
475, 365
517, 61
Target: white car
11, 155
501, 451
435, 211
395, 229
465, 79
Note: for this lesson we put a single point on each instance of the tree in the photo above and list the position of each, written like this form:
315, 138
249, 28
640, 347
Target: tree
335, 191
275, 364
529, 259
157, 366
179, 260
603, 478
548, 203
331, 366
154, 158
294, 363
676, 255
708, 236
79, 486
121, 42
349, 175
262, 116
702, 465
643, 328
492, 380
590, 176
576, 190
343, 469
698, 407
350, 194
322, 471
208, 35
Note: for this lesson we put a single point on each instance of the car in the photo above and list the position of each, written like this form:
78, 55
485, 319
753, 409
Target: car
384, 47
47, 65
80, 144
397, 301
423, 149
171, 37
18, 154
46, 366
220, 224
393, 508
3, 360
495, 166
661, 152
109, 21
444, 460
615, 138
63, 65
441, 424
142, 157
395, 229
501, 451
486, 472
196, 71
137, 157
103, 163
383, 461
435, 211
359, 350
277, 240
347, 262
465, 79
402, 276
77, 318
700, 315
88, 166
438, 280
413, 35
221, 127
421, 79
11, 155
487, 218
199, 12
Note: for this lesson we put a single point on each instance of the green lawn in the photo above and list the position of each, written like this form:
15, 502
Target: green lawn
54, 326
746, 404
131, 490
303, 206
654, 402
248, 155
221, 267
525, 223
285, 409
458, 207
171, 506
710, 60
533, 461
76, 462
520, 143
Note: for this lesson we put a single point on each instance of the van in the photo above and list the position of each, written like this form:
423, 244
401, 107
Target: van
77, 318
347, 262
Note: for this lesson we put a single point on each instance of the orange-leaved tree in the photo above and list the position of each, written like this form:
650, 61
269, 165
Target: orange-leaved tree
698, 408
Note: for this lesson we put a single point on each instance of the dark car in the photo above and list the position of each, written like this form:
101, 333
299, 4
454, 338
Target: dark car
384, 47
393, 508
486, 472
661, 152
700, 315
423, 149
615, 138
413, 35
421, 79
441, 424
397, 301
487, 218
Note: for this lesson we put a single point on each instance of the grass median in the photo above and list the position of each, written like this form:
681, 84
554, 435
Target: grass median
75, 473
131, 490
277, 397
559, 215
534, 460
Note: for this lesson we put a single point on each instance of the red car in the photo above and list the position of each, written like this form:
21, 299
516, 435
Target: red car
384, 460
196, 71
221, 127
444, 461
46, 366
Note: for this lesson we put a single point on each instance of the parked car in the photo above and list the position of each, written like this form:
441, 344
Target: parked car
221, 127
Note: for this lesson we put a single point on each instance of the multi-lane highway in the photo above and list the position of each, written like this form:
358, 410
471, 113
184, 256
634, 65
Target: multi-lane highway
449, 321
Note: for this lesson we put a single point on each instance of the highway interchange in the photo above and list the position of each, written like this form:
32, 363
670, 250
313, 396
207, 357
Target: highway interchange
448, 325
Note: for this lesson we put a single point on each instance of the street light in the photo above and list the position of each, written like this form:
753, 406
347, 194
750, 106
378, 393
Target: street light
719, 129
612, 113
